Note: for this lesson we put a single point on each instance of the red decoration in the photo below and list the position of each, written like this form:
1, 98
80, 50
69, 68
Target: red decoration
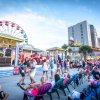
13, 25
18, 27
40, 56
0, 23
6, 23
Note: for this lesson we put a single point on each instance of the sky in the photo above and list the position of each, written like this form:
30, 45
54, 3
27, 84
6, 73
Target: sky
46, 22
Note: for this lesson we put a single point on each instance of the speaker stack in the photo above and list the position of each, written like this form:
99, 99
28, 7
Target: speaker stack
8, 52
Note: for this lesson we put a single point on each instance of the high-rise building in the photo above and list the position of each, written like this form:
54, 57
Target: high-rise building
94, 38
99, 42
80, 33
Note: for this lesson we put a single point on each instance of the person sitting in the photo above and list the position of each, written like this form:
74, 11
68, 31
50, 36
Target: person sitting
3, 95
96, 73
33, 88
66, 79
57, 77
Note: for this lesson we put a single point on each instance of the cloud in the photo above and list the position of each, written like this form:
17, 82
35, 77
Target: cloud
43, 32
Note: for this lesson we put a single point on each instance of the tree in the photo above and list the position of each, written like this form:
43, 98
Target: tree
65, 48
69, 50
85, 49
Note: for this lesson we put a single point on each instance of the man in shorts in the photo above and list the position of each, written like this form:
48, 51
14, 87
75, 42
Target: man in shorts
22, 72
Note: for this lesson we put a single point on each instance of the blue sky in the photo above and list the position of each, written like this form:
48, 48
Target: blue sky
46, 21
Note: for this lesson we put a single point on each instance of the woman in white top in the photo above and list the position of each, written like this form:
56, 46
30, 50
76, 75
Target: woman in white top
45, 67
33, 70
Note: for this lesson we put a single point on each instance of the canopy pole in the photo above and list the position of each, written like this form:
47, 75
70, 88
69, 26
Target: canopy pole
16, 54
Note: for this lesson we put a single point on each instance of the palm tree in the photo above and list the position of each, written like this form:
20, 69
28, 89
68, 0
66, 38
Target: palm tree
65, 48
85, 49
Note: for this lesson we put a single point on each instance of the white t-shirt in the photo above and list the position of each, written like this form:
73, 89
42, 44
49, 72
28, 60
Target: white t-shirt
33, 71
33, 65
45, 67
68, 64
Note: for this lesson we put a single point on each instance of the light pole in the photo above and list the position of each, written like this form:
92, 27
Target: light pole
16, 54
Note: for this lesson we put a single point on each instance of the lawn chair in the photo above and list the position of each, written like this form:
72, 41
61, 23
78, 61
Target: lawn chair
42, 90
70, 82
74, 80
63, 86
81, 80
55, 88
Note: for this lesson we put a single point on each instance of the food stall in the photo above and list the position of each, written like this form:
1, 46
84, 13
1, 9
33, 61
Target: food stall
7, 43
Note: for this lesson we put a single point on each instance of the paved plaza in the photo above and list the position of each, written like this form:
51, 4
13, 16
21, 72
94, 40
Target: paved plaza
9, 84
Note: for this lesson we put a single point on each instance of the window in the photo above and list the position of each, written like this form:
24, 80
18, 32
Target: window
82, 39
81, 34
72, 32
81, 28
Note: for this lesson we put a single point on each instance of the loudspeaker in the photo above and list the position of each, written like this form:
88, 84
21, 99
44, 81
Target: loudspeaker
8, 52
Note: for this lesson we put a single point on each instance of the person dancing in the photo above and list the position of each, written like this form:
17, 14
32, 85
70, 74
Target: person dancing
33, 70
45, 67
22, 69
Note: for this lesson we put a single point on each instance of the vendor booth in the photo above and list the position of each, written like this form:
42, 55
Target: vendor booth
7, 43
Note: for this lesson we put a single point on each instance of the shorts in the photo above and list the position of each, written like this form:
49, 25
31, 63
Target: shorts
22, 74
45, 71
66, 66
53, 69
80, 65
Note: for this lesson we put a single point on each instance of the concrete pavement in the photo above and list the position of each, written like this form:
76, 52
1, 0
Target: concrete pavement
9, 85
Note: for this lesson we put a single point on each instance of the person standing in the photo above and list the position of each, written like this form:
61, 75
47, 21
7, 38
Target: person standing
45, 67
22, 72
52, 67
58, 67
66, 65
33, 69
62, 67
27, 64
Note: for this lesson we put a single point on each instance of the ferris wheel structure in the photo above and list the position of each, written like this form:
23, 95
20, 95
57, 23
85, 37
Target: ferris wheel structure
14, 30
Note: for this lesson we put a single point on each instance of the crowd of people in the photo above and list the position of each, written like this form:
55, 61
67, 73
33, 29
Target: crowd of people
59, 69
